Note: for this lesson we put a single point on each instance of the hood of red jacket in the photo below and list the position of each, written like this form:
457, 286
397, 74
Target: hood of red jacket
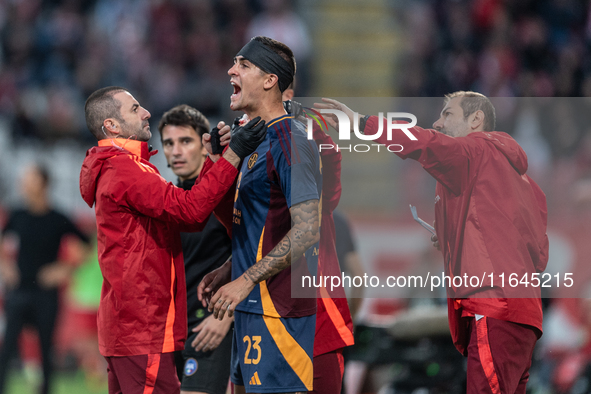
508, 147
95, 158
91, 169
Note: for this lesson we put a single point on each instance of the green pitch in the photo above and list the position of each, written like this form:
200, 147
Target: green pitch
63, 383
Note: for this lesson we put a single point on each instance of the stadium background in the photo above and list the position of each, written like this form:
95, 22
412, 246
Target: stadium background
53, 54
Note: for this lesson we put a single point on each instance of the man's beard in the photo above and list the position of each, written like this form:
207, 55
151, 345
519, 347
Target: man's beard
140, 134
143, 134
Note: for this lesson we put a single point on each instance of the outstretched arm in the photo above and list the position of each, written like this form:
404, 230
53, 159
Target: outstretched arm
151, 195
444, 157
303, 234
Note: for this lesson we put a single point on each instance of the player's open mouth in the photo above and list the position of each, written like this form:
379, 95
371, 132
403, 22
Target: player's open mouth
237, 89
178, 163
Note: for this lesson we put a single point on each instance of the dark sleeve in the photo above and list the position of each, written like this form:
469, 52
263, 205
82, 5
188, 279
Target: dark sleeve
70, 228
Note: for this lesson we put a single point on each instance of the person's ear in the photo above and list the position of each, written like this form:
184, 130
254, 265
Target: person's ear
477, 120
111, 125
270, 81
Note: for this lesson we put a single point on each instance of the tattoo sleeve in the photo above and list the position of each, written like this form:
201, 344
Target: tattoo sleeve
303, 234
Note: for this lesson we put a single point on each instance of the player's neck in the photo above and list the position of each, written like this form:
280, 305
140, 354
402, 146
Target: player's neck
267, 111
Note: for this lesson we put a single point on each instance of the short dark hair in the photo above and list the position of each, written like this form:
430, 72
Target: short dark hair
279, 48
472, 102
185, 115
101, 105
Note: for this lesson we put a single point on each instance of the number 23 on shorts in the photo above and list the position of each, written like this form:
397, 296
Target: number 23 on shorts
254, 344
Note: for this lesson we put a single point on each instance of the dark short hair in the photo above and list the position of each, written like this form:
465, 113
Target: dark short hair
279, 48
472, 102
184, 115
101, 105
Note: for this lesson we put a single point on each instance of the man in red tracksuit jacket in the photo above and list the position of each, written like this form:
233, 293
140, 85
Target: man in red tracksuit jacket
490, 217
142, 317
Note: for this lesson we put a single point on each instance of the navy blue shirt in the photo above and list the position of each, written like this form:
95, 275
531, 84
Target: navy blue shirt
285, 170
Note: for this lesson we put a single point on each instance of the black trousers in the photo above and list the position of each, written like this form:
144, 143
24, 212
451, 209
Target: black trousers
38, 308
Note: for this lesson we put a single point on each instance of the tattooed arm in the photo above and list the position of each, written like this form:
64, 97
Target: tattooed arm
303, 234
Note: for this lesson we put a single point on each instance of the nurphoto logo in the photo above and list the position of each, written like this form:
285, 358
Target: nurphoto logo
344, 126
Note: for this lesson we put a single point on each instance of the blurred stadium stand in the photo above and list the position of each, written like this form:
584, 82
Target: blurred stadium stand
54, 53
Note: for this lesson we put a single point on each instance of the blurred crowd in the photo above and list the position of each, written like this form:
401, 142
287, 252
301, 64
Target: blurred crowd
54, 53
497, 47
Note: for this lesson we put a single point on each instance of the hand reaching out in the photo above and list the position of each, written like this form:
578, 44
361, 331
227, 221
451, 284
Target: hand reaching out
333, 119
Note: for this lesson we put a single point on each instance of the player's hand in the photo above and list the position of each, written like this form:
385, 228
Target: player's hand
224, 140
217, 140
435, 240
229, 296
333, 119
211, 333
245, 139
213, 281
225, 135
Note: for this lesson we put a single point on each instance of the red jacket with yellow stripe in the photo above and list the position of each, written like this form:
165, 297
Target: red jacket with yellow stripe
139, 215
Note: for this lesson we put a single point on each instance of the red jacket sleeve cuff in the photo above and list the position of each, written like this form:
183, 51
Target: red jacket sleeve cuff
226, 166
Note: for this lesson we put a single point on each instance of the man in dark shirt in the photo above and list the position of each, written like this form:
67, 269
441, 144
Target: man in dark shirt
35, 233
204, 365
